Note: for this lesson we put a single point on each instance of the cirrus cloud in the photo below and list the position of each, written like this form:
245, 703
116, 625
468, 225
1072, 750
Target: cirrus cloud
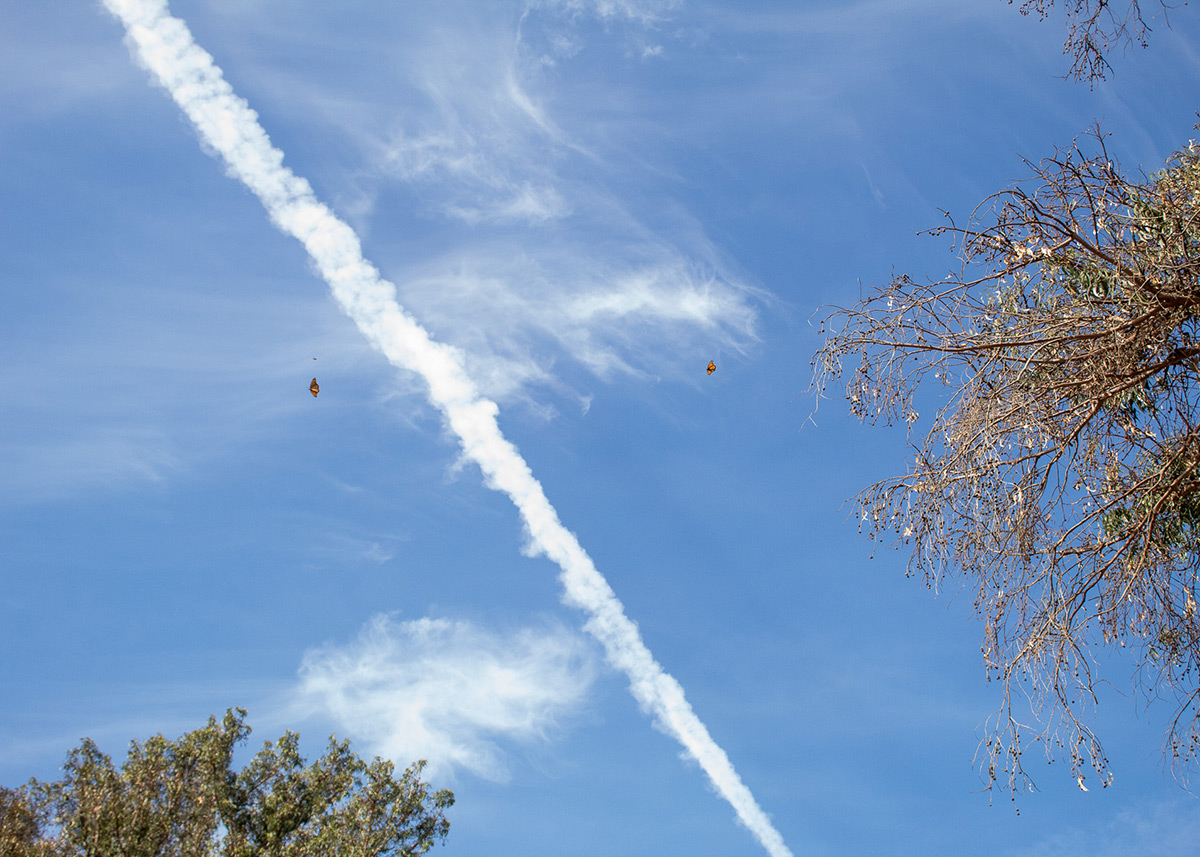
448, 691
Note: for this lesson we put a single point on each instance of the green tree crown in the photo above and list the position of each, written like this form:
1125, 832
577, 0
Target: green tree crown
181, 799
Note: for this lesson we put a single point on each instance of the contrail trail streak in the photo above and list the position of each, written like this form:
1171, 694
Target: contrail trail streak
165, 47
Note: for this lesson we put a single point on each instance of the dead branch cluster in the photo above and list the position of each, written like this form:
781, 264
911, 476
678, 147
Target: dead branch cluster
1095, 27
1061, 477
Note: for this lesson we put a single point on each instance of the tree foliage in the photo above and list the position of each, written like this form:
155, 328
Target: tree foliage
1094, 28
181, 799
1060, 480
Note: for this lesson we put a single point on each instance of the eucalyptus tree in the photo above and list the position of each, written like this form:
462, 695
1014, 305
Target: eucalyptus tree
182, 799
1058, 479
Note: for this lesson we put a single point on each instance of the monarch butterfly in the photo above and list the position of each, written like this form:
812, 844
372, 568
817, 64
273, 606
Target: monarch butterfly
314, 388
712, 367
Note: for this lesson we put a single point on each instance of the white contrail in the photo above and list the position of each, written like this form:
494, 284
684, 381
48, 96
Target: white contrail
164, 45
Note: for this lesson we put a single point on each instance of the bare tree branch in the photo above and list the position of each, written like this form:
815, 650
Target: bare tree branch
1095, 28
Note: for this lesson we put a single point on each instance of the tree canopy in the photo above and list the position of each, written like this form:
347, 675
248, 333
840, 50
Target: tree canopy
1060, 476
181, 799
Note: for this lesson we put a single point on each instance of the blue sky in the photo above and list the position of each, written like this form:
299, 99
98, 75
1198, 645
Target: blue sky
589, 201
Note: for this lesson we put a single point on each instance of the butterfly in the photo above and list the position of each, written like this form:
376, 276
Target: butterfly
314, 388
712, 367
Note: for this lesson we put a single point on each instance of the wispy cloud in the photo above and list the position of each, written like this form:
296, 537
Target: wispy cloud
49, 75
208, 373
355, 548
557, 269
1164, 829
98, 458
475, 133
514, 316
448, 691
642, 11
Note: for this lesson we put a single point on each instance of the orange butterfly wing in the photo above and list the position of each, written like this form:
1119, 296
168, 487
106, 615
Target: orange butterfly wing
712, 367
313, 388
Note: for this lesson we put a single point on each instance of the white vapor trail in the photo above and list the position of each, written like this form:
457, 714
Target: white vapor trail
165, 47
